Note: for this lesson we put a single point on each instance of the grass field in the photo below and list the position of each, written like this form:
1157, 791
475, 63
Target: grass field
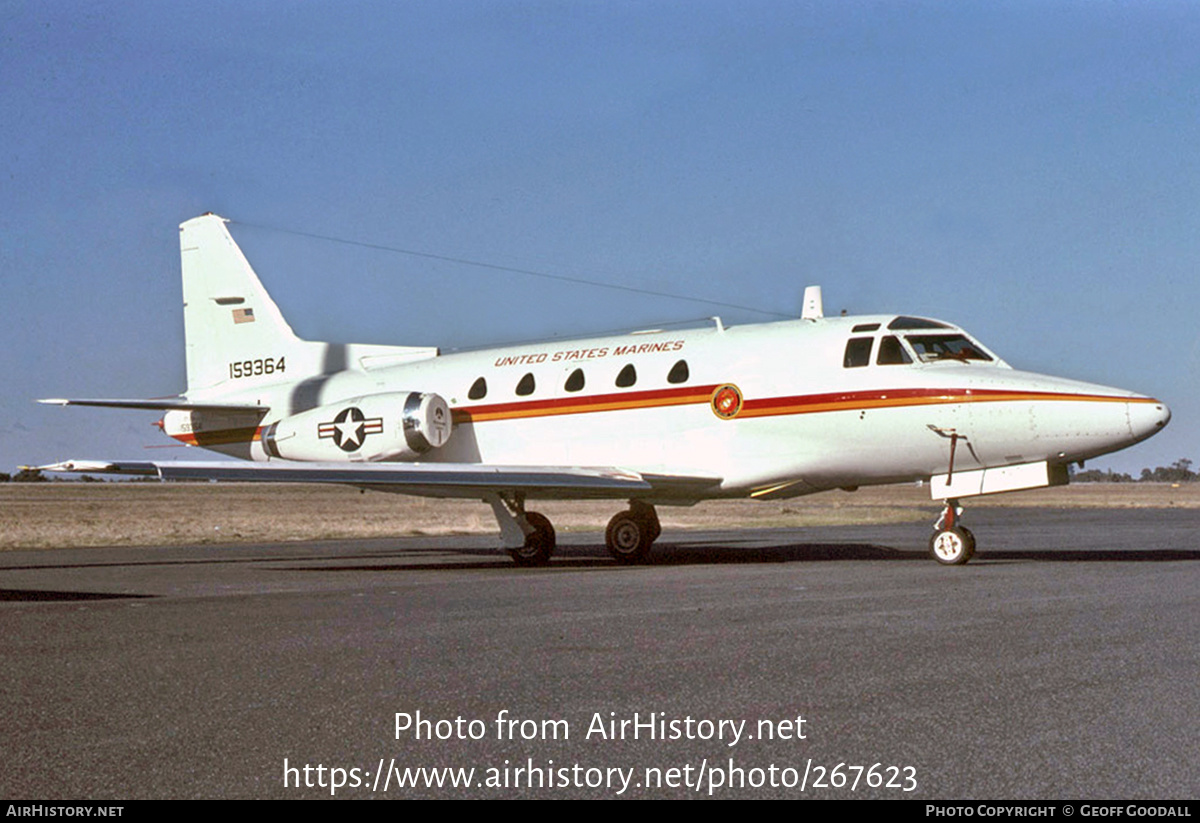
62, 515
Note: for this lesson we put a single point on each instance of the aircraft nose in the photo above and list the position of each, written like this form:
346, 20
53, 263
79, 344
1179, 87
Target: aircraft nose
1147, 416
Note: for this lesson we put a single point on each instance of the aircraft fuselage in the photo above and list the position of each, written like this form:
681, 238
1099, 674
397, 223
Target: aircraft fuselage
804, 415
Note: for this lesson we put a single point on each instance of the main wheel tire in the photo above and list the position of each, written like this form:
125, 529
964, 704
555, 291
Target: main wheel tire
628, 537
970, 542
646, 513
539, 544
953, 546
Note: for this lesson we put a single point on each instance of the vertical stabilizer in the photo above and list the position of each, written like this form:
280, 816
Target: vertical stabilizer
229, 319
235, 335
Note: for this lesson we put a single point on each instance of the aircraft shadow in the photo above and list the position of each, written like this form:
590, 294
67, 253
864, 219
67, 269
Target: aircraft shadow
688, 554
706, 553
1089, 555
711, 551
597, 557
47, 596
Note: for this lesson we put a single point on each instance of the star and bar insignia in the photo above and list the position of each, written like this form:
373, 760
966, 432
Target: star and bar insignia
350, 428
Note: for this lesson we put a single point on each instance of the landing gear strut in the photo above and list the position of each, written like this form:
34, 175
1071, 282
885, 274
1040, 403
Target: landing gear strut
539, 544
528, 537
951, 544
630, 534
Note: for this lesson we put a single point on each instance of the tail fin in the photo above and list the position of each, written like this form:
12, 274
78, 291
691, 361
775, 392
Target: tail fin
235, 332
228, 317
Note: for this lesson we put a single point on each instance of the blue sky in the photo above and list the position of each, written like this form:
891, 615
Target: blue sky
1029, 170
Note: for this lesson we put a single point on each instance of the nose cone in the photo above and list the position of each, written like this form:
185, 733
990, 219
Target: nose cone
1069, 420
1147, 416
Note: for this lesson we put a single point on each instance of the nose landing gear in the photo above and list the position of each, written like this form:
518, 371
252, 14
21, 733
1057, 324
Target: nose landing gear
951, 544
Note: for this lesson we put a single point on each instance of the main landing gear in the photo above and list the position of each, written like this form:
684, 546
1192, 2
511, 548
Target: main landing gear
631, 533
951, 544
539, 544
529, 537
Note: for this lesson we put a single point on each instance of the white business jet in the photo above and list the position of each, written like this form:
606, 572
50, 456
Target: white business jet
768, 411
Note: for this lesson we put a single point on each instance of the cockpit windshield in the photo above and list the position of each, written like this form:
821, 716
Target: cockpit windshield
934, 347
911, 341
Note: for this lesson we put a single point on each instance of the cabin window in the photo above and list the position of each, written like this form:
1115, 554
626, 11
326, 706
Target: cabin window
575, 381
932, 347
891, 353
526, 385
478, 390
627, 377
678, 373
858, 352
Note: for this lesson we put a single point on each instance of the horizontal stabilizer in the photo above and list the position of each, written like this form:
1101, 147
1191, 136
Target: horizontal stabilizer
423, 479
161, 404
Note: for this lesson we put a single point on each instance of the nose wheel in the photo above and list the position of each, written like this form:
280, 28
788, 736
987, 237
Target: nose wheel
951, 543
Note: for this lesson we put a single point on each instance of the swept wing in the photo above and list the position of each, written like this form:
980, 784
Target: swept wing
470, 480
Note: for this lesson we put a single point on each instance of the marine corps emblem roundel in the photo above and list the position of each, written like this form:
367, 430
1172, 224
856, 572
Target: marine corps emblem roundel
726, 401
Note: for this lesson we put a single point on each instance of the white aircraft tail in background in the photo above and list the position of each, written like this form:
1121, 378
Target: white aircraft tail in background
767, 411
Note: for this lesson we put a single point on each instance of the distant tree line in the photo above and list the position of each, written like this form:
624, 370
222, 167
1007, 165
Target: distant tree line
36, 476
25, 476
1178, 472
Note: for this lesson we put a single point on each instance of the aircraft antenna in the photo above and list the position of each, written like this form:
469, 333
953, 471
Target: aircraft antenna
813, 307
512, 269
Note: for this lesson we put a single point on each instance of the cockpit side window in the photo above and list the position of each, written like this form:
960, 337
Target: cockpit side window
891, 352
934, 347
858, 352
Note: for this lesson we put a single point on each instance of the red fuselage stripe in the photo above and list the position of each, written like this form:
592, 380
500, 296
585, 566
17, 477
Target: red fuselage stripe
697, 395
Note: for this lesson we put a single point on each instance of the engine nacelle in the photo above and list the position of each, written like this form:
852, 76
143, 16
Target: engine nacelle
376, 427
